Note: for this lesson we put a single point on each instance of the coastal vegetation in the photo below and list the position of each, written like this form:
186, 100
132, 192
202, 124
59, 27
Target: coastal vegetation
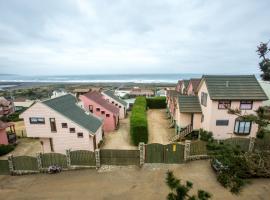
138, 121
156, 102
263, 50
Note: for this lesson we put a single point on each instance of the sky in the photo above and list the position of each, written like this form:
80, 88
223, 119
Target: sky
55, 37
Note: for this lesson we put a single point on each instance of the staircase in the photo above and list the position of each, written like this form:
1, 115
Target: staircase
184, 132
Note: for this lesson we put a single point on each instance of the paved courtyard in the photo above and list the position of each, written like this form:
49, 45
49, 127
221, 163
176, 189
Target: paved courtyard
115, 183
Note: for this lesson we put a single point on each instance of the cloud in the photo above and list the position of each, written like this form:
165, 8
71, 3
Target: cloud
88, 37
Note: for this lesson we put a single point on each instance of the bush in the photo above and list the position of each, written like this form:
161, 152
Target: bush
138, 122
156, 102
206, 136
5, 149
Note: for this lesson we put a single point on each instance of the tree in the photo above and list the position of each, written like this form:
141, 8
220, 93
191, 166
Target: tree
180, 191
263, 50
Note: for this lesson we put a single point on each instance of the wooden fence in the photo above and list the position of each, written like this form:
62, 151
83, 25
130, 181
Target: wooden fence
4, 167
82, 158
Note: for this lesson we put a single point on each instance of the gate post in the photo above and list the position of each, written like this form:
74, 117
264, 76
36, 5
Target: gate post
39, 162
11, 164
187, 149
142, 150
68, 158
251, 144
97, 156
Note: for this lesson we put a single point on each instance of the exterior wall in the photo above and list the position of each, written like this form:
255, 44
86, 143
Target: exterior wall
197, 121
185, 119
62, 139
110, 123
190, 90
212, 113
3, 137
122, 110
46, 148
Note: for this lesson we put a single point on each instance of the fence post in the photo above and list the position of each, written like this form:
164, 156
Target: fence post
187, 149
141, 149
251, 144
10, 164
97, 155
68, 158
39, 161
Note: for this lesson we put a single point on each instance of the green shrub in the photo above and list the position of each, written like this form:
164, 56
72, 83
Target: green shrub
138, 122
5, 149
205, 135
156, 102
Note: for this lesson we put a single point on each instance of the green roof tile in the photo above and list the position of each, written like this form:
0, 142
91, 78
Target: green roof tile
189, 104
234, 87
111, 94
66, 105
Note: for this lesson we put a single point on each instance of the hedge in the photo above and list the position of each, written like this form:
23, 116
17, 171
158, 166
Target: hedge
138, 121
5, 149
156, 102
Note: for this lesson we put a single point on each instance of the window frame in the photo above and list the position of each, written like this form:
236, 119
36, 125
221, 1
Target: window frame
102, 112
64, 125
221, 122
72, 131
53, 125
204, 97
229, 102
98, 109
37, 120
80, 133
238, 127
108, 115
251, 104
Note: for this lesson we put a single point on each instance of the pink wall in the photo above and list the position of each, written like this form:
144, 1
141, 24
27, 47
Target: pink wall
110, 123
122, 110
190, 89
3, 137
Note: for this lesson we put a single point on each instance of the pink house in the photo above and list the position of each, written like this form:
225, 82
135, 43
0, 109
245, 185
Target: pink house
95, 103
61, 124
193, 86
171, 104
209, 110
7, 137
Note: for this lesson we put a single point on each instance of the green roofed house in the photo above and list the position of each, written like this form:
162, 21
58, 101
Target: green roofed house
209, 109
61, 124
117, 102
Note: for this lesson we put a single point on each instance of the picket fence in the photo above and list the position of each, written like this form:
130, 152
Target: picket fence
146, 153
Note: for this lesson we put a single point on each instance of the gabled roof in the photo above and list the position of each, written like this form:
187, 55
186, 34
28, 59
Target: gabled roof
234, 87
186, 82
97, 97
66, 105
110, 93
189, 104
195, 82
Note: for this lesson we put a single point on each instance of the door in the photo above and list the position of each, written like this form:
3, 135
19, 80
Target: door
94, 142
53, 125
174, 153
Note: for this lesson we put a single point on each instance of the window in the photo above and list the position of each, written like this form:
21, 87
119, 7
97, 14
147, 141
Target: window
202, 119
72, 130
80, 135
242, 127
37, 120
112, 102
107, 115
120, 106
91, 108
53, 124
97, 109
222, 122
116, 104
246, 105
224, 104
64, 125
102, 112
204, 99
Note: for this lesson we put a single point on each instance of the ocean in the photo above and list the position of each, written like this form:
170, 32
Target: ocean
135, 78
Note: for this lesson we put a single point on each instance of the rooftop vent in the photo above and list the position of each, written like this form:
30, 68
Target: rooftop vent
227, 83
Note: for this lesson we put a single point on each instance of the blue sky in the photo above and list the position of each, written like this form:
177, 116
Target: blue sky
124, 36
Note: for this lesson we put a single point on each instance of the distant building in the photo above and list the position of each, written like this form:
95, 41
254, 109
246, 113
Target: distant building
122, 92
22, 103
116, 101
136, 91
82, 91
58, 93
161, 93
6, 106
95, 103
61, 124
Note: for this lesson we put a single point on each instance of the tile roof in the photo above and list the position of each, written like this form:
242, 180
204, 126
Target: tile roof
189, 104
97, 97
66, 105
234, 87
110, 93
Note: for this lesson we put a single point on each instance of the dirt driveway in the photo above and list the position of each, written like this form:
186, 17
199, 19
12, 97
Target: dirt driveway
26, 147
117, 183
158, 126
119, 139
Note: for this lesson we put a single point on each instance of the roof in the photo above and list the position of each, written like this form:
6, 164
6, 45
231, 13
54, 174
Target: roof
110, 93
97, 97
195, 83
189, 104
186, 82
66, 105
234, 87
172, 93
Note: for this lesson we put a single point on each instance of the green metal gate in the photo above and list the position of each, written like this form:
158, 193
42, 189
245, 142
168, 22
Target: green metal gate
119, 157
83, 157
174, 153
154, 153
4, 169
25, 163
48, 159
